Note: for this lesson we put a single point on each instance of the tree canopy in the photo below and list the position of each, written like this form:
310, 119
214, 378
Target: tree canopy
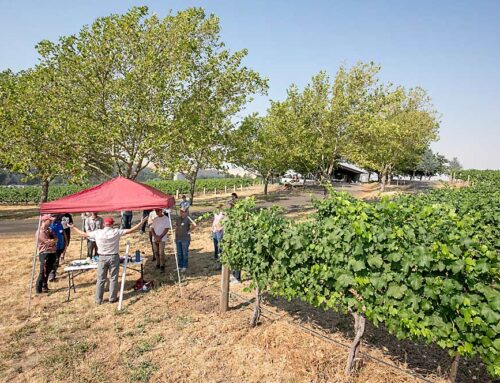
133, 90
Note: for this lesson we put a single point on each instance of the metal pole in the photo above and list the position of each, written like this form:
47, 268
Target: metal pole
35, 253
176, 256
124, 275
81, 238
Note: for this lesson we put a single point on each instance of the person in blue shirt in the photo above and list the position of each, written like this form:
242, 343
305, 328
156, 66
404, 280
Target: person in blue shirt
58, 229
184, 204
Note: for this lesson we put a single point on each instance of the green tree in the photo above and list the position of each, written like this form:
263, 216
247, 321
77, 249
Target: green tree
216, 88
430, 164
318, 124
124, 75
395, 131
36, 137
254, 148
454, 166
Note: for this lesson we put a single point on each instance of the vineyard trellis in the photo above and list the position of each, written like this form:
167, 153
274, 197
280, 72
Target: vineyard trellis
425, 266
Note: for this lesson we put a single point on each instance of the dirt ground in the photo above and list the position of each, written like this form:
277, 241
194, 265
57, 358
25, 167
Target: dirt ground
176, 333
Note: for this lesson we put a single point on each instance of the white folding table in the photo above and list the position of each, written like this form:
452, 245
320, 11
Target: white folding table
80, 266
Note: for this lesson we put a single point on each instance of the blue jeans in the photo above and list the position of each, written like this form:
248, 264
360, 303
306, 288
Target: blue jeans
182, 253
217, 237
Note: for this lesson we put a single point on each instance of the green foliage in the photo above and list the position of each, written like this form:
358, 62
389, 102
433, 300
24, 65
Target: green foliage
36, 137
253, 147
31, 194
426, 265
316, 126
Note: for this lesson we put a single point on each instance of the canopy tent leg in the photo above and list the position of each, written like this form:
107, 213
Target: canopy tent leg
35, 253
124, 275
81, 238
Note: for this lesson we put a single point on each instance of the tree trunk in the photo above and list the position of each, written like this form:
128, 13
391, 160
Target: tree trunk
192, 186
256, 311
454, 369
359, 328
266, 182
382, 183
45, 191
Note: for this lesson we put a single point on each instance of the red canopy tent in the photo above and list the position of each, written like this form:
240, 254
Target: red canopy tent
114, 195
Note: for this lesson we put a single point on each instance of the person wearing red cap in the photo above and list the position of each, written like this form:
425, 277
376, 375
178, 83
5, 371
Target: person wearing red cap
108, 242
47, 243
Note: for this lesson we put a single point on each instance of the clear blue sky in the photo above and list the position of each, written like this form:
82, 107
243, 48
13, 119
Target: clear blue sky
450, 48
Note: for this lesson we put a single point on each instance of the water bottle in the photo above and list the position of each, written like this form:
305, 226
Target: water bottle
137, 256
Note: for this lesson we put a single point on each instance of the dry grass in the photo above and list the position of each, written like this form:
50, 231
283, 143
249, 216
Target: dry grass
17, 207
161, 336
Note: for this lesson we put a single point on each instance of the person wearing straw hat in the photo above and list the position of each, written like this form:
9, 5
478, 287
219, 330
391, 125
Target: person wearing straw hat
108, 242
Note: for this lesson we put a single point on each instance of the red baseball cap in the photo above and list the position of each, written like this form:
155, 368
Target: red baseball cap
108, 221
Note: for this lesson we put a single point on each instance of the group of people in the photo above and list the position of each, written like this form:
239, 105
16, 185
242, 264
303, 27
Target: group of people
103, 241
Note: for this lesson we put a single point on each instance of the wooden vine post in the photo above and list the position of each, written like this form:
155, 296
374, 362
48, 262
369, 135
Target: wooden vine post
359, 329
224, 289
254, 320
454, 368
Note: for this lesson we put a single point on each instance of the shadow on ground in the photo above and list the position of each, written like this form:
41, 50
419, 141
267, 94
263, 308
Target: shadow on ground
421, 358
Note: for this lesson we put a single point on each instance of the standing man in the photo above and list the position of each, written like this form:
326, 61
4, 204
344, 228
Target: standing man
47, 243
183, 238
108, 243
65, 220
217, 230
184, 204
92, 223
232, 201
159, 229
127, 219
58, 230
145, 214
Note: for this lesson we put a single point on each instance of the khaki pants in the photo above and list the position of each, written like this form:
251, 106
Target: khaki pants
111, 263
159, 252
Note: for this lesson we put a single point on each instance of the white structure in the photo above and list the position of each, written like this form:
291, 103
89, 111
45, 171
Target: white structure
203, 173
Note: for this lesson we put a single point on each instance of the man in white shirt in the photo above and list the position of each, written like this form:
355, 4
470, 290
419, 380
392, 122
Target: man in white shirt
159, 229
108, 243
